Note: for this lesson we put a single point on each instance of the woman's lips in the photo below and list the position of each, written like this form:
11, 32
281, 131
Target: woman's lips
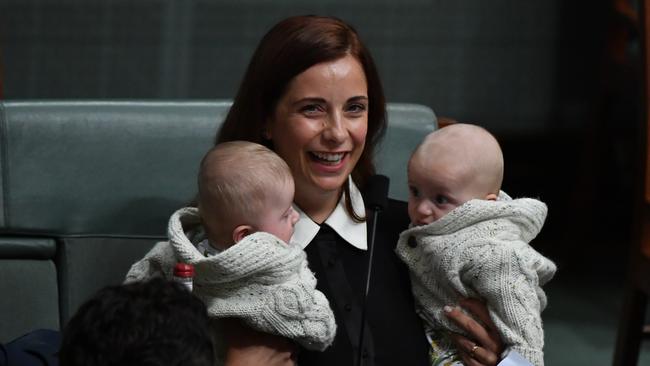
328, 162
327, 158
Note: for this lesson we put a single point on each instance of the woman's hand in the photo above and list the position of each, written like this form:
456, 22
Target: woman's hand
484, 345
248, 347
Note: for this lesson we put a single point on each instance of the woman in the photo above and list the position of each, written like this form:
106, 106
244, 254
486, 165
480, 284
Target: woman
312, 94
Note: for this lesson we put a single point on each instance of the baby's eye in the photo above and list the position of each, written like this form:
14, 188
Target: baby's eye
414, 191
441, 200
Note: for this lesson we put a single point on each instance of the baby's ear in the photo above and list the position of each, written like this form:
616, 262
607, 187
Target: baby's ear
241, 232
491, 197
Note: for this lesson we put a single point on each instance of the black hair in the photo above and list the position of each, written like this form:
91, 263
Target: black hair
150, 323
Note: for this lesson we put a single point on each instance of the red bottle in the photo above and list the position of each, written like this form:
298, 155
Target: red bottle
184, 274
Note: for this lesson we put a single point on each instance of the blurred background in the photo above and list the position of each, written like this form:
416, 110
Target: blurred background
556, 81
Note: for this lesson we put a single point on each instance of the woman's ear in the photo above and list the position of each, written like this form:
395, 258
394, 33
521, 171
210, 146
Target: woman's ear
241, 232
491, 197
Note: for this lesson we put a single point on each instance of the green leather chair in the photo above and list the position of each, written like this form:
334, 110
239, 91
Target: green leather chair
87, 188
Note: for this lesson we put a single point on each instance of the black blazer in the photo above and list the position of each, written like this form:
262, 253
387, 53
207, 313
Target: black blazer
394, 333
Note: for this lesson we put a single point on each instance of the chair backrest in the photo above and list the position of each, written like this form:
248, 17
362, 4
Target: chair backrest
120, 168
88, 186
102, 168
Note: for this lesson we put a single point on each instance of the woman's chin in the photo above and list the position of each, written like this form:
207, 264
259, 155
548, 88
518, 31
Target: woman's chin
331, 183
328, 177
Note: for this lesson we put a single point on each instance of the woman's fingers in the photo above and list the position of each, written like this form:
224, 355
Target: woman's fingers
468, 361
472, 353
478, 308
482, 330
473, 328
484, 344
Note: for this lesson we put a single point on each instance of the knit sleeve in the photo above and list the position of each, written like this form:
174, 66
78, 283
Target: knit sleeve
509, 280
159, 262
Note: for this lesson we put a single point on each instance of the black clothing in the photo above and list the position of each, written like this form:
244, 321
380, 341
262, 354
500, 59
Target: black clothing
394, 333
37, 348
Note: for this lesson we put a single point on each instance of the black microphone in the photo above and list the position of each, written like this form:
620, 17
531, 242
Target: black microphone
376, 200
377, 192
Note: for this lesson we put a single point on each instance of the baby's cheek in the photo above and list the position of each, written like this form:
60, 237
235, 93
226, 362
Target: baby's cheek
412, 211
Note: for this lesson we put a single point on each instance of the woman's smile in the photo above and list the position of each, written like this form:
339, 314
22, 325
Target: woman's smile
328, 163
319, 126
328, 158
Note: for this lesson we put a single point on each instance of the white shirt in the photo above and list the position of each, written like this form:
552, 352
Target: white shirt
354, 233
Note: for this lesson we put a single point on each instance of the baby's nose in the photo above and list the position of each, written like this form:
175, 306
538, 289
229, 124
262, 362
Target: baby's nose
424, 208
425, 213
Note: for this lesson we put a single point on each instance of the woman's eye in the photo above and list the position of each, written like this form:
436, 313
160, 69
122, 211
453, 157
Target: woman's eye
357, 108
311, 109
441, 200
414, 191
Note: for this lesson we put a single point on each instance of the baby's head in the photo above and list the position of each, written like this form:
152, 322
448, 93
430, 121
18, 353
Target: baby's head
243, 188
451, 166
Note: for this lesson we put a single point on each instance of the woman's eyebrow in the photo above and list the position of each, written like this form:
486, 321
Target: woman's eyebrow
309, 99
358, 98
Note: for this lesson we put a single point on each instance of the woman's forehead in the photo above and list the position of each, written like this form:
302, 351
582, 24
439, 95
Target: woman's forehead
344, 75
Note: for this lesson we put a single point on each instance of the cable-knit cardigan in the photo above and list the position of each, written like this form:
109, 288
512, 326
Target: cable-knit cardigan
261, 280
480, 250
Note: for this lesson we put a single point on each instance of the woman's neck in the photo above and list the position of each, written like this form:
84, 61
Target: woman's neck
317, 205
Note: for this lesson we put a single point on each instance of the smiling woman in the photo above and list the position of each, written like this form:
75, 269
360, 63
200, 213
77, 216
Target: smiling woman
287, 50
312, 94
319, 128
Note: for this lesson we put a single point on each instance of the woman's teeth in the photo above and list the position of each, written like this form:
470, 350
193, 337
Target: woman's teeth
328, 158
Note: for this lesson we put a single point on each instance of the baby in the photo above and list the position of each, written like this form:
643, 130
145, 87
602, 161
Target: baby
469, 239
238, 242
244, 188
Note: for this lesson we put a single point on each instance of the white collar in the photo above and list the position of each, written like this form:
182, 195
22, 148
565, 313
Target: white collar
354, 233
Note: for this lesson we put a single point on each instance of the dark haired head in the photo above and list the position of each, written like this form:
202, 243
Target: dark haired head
289, 48
150, 323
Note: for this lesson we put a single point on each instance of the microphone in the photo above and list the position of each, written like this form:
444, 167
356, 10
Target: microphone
377, 192
376, 200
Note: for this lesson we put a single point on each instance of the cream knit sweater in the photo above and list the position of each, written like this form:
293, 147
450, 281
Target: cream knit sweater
261, 280
480, 250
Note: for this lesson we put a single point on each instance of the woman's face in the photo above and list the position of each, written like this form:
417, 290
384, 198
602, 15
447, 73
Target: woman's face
320, 123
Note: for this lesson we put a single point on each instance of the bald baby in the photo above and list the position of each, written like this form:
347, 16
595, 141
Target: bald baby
451, 166
243, 188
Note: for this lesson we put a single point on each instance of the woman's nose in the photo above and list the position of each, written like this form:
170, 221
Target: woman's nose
335, 128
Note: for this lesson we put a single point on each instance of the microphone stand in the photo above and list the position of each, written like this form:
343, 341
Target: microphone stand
377, 197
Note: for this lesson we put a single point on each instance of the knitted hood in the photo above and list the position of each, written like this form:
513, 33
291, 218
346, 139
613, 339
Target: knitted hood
526, 214
260, 257
261, 280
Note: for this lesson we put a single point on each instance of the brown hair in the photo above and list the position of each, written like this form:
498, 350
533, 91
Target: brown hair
289, 48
